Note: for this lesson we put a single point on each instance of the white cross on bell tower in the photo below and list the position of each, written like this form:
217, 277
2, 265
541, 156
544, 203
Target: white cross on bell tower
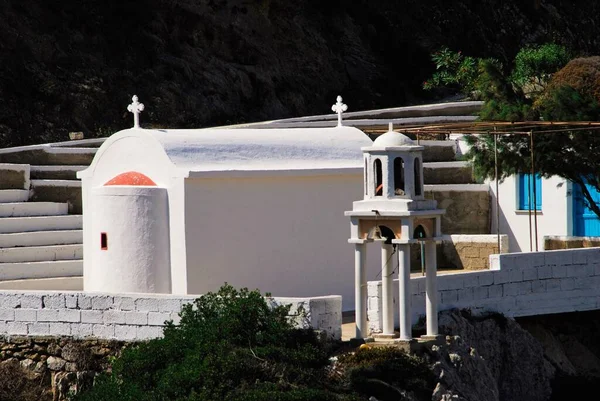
339, 108
136, 108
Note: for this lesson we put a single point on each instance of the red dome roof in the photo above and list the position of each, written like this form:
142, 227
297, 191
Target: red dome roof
132, 178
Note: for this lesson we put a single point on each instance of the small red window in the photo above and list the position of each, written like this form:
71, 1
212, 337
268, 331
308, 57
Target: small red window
103, 241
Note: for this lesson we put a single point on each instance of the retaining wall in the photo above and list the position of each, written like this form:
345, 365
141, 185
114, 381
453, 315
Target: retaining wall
566, 242
127, 317
518, 284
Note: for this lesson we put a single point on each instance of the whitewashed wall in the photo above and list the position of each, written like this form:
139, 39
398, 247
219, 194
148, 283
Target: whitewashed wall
126, 317
252, 231
519, 284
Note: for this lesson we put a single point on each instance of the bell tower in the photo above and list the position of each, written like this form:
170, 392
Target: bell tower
395, 213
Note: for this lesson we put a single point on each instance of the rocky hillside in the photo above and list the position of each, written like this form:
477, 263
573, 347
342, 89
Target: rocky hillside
73, 65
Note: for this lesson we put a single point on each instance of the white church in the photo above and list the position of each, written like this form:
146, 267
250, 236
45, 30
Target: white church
183, 211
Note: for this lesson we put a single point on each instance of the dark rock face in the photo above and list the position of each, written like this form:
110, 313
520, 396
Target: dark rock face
74, 65
493, 359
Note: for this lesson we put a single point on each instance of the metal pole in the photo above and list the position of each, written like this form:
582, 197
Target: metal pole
422, 258
534, 191
497, 189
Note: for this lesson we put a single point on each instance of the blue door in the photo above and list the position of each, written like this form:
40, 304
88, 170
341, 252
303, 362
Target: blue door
586, 223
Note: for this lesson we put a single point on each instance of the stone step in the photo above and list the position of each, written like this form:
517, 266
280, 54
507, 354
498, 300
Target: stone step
45, 269
457, 172
41, 238
13, 195
55, 172
48, 155
468, 207
438, 151
23, 209
40, 223
57, 191
14, 176
74, 283
41, 253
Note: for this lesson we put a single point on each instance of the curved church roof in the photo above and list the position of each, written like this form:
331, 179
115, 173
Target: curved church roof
256, 149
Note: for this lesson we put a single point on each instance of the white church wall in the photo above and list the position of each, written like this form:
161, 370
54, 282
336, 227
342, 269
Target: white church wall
133, 222
553, 219
519, 284
127, 317
283, 234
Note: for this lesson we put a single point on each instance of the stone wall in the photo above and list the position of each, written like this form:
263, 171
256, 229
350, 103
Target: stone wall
14, 176
565, 242
518, 284
127, 317
55, 367
468, 252
467, 207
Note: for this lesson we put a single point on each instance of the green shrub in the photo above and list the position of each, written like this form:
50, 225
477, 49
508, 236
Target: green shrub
454, 70
534, 66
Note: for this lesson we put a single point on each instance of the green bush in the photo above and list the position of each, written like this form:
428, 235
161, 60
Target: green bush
534, 66
454, 70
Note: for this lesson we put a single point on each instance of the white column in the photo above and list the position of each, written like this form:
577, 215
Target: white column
360, 289
404, 297
387, 267
431, 306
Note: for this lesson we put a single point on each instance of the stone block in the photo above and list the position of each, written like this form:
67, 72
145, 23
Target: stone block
515, 275
125, 332
16, 328
10, 301
480, 293
146, 305
465, 295
136, 318
450, 282
495, 291
538, 286
31, 301
103, 302
38, 329
580, 257
25, 315
576, 271
71, 301
567, 284
501, 276
69, 315
91, 316
2, 327
84, 301
149, 332
113, 317
544, 272
7, 314
47, 315
81, 330
583, 283
54, 301
103, 331
552, 285
449, 297
559, 271
486, 278
177, 319
471, 280
169, 305
530, 273
60, 329
124, 303
158, 318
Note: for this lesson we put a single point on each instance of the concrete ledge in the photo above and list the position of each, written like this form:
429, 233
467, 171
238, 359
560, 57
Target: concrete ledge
129, 317
568, 242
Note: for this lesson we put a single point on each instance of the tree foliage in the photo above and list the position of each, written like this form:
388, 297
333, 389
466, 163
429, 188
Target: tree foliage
234, 345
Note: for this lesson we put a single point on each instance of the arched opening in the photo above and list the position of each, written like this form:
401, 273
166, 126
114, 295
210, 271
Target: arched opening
418, 187
382, 233
420, 232
131, 178
399, 176
378, 178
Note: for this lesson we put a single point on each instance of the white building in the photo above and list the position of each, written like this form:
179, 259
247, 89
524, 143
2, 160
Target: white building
183, 211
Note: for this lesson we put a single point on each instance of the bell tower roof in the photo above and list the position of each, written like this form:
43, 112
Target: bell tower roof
392, 138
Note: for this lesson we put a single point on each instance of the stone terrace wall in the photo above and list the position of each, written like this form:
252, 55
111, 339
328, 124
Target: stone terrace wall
564, 242
518, 284
467, 207
127, 317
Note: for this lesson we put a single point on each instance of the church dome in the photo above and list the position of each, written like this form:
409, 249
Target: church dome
392, 138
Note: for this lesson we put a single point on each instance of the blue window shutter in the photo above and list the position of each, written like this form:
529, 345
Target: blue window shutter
526, 188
